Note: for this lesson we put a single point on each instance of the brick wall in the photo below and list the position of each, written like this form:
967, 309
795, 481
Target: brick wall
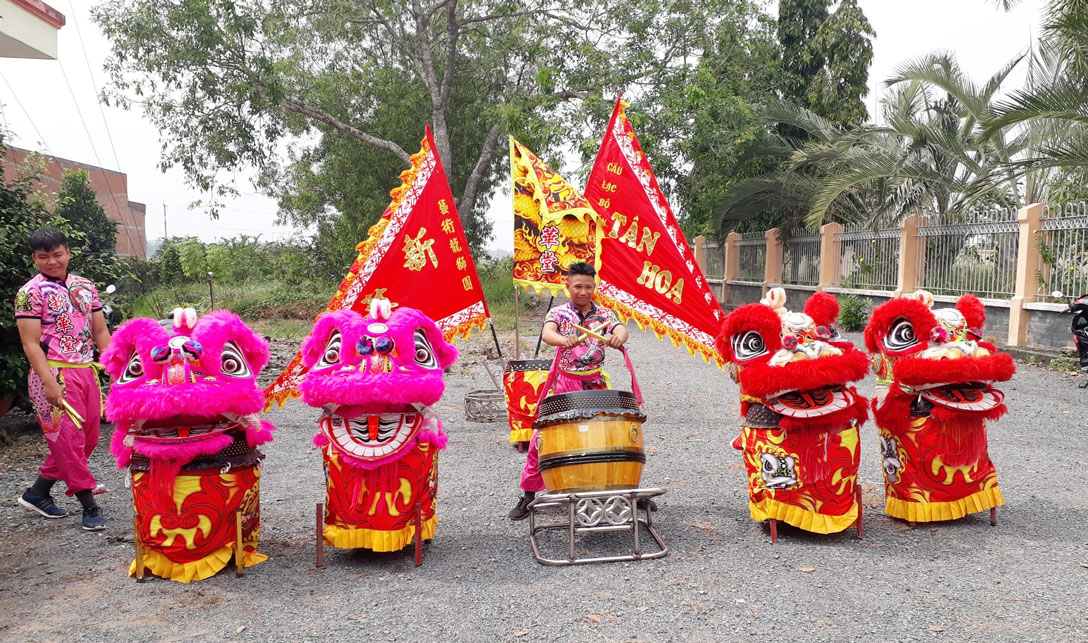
110, 187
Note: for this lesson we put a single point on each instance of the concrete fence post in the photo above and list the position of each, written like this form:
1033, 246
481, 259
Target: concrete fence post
700, 252
732, 263
1027, 262
732, 256
908, 256
830, 257
772, 268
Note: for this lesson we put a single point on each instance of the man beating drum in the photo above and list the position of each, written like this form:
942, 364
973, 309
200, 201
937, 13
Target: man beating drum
580, 360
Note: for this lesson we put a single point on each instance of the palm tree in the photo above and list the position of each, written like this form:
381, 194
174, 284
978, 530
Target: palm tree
1052, 110
930, 155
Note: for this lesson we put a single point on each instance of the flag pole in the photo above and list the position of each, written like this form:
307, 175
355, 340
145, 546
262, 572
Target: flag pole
540, 338
495, 337
517, 326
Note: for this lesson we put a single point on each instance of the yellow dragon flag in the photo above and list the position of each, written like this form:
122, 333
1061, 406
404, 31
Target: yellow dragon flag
554, 225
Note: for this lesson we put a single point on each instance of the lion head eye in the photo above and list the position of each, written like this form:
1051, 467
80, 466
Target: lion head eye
233, 363
331, 355
424, 352
134, 370
901, 336
748, 345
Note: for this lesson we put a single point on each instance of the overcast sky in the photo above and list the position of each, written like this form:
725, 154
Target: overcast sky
43, 113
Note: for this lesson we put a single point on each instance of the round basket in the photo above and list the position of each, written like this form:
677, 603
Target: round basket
485, 406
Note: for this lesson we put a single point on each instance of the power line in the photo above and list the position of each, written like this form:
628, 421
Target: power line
18, 102
94, 83
109, 136
94, 150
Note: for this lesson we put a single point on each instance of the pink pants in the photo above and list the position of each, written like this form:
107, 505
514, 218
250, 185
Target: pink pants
531, 480
70, 447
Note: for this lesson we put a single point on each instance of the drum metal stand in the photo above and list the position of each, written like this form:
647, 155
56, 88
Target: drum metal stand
597, 511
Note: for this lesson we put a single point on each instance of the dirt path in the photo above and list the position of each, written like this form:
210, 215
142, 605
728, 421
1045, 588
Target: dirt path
723, 580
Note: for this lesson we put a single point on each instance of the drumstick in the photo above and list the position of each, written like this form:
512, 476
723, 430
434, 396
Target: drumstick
595, 333
72, 413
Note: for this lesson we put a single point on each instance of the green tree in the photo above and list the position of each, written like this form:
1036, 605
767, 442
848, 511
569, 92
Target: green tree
22, 211
698, 121
228, 81
931, 155
193, 257
95, 254
19, 217
826, 57
1050, 109
77, 203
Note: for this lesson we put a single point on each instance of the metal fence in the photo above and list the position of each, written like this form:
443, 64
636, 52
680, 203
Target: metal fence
801, 258
972, 252
1063, 246
715, 260
869, 256
752, 253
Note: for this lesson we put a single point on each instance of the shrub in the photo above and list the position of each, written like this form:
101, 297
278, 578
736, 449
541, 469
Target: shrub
853, 313
1065, 362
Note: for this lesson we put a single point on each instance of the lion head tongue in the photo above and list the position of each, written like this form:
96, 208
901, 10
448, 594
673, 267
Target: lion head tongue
965, 397
811, 404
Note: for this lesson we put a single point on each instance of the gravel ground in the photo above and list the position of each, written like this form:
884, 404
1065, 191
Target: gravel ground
722, 580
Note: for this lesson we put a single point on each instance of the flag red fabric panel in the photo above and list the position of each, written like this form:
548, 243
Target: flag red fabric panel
648, 273
416, 256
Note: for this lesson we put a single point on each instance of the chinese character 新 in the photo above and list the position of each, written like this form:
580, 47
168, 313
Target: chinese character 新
417, 251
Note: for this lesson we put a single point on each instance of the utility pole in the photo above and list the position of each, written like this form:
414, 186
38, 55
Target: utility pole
165, 234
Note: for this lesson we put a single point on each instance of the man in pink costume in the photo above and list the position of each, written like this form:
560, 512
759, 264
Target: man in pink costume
185, 401
581, 360
60, 323
376, 379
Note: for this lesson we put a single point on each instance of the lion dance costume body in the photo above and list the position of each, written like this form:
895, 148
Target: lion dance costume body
932, 422
800, 440
185, 405
376, 377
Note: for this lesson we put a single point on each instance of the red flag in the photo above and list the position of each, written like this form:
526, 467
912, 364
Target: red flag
553, 224
416, 256
648, 273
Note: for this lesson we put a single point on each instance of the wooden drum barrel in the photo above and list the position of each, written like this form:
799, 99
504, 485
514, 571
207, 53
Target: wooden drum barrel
590, 441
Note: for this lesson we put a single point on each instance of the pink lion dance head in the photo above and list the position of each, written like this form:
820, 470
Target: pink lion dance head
376, 376
181, 393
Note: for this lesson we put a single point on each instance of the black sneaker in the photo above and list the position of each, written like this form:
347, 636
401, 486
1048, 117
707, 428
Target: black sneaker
92, 519
521, 511
45, 506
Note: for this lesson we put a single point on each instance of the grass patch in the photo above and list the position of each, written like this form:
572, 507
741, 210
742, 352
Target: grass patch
497, 280
270, 300
287, 311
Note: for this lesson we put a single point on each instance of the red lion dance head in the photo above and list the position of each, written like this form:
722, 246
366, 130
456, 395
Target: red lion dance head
800, 436
185, 402
376, 377
794, 363
933, 420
